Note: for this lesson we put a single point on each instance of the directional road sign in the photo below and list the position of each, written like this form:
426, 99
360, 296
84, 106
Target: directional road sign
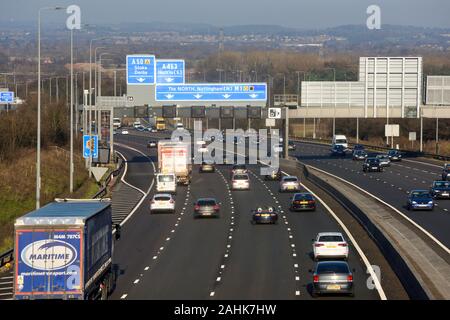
90, 146
212, 92
169, 71
6, 97
140, 69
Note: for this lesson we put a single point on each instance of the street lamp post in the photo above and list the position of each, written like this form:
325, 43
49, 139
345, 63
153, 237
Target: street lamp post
38, 143
90, 101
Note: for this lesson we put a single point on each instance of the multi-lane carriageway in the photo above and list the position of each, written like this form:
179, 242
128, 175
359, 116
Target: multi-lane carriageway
173, 256
392, 185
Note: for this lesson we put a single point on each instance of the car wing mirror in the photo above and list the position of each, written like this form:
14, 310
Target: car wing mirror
310, 271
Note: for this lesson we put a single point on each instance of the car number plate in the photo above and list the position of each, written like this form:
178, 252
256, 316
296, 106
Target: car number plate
331, 246
333, 287
265, 215
290, 187
303, 202
445, 194
374, 168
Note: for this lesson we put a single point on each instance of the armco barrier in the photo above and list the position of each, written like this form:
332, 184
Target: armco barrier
400, 267
409, 153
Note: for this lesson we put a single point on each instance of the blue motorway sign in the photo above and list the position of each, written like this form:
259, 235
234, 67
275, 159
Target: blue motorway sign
212, 92
169, 71
6, 97
140, 69
90, 146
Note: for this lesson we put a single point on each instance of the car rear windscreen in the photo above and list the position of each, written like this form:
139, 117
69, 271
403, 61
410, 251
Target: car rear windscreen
330, 238
206, 202
332, 268
290, 179
303, 197
240, 177
166, 178
162, 198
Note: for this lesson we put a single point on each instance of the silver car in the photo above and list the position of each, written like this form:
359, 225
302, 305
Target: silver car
332, 277
384, 160
289, 183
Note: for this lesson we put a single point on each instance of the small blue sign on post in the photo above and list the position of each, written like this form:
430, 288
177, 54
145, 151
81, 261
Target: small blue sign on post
170, 71
90, 146
140, 69
212, 92
6, 97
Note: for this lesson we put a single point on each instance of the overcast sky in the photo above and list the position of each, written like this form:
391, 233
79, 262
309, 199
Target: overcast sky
307, 14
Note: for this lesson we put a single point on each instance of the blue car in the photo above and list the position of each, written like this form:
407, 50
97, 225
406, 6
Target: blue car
420, 200
264, 215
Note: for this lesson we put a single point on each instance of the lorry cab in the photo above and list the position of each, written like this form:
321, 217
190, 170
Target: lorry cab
166, 182
340, 139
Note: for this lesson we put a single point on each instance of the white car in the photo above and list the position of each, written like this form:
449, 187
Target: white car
289, 183
240, 181
162, 202
124, 131
330, 245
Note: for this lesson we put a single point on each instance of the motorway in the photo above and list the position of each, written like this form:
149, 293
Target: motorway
392, 185
174, 256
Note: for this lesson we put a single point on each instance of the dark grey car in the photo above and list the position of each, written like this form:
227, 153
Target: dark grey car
332, 277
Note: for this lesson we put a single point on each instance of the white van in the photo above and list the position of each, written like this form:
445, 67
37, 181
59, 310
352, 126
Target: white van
340, 139
166, 182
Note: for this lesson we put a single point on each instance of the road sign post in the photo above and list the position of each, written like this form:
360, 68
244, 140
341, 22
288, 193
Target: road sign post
140, 69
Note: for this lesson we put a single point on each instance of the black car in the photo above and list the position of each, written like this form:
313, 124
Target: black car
372, 164
446, 172
440, 190
274, 175
264, 215
206, 207
152, 144
394, 155
303, 201
338, 150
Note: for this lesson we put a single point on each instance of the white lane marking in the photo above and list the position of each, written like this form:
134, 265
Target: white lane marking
212, 294
124, 296
146, 268
136, 281
390, 206
424, 163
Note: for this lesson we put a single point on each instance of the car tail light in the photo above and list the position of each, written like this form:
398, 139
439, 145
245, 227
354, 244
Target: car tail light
196, 207
216, 207
311, 201
315, 278
342, 244
152, 202
171, 201
318, 245
234, 181
350, 278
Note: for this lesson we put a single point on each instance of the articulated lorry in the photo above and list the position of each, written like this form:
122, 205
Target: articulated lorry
174, 157
64, 251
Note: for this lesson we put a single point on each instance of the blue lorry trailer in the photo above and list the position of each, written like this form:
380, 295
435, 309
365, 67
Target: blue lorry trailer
64, 251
